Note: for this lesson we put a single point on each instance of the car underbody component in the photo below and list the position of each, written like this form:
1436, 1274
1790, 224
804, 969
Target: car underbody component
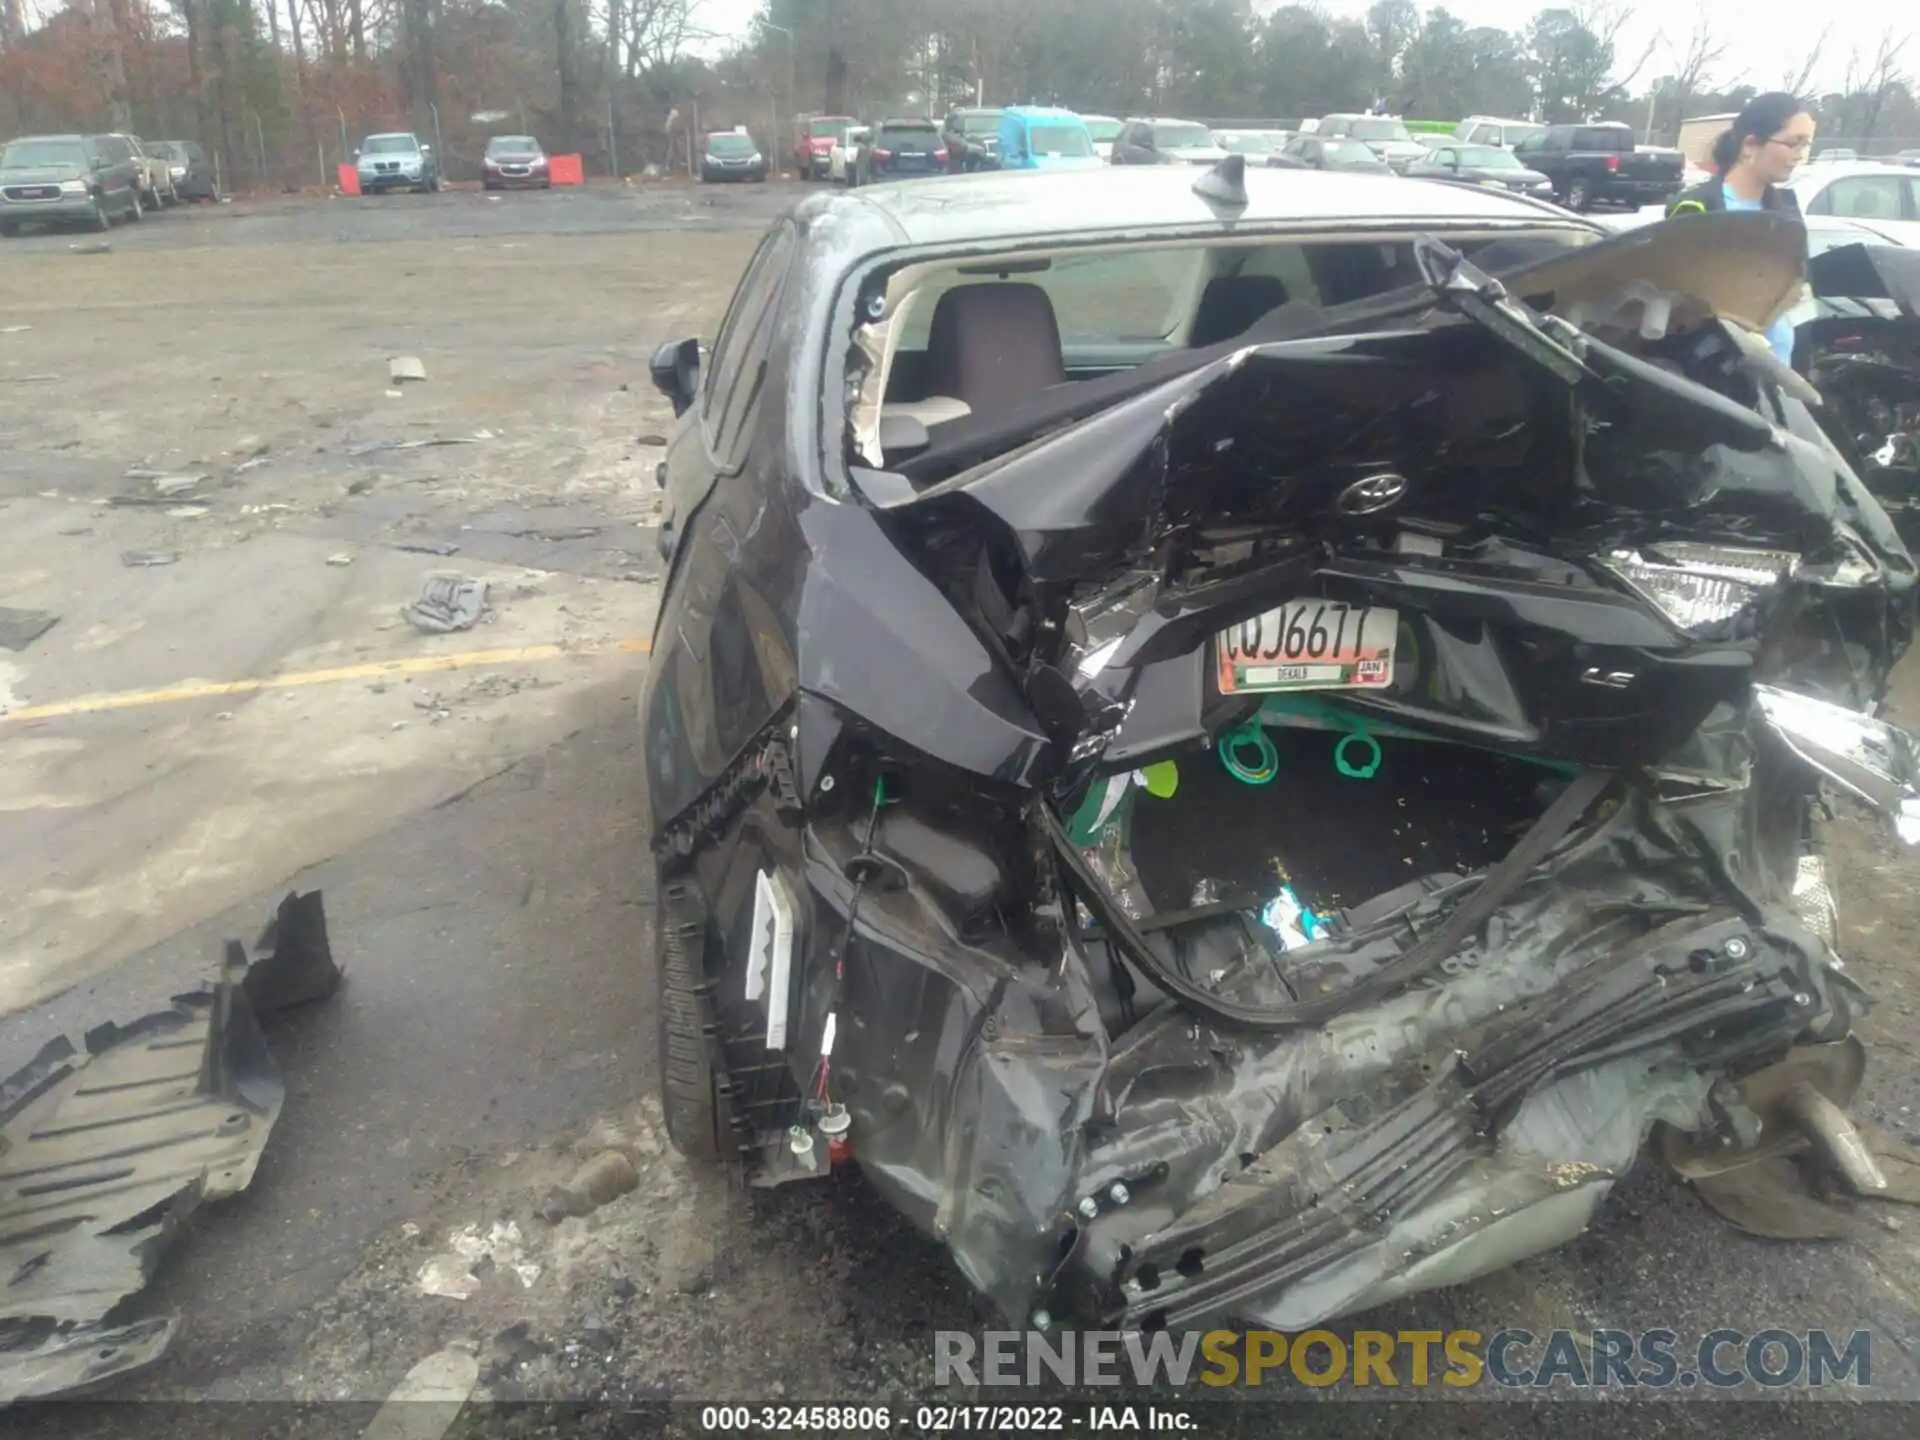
108, 1146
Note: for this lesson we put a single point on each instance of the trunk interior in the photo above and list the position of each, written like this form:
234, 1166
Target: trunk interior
1338, 840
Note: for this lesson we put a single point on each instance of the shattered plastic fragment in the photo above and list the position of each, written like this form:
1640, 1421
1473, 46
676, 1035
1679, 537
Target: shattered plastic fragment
1292, 923
447, 603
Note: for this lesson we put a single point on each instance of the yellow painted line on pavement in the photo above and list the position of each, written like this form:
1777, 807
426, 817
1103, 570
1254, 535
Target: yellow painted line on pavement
372, 670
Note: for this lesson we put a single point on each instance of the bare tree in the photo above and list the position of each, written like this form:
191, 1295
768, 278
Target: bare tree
1703, 51
1795, 82
1881, 74
1605, 20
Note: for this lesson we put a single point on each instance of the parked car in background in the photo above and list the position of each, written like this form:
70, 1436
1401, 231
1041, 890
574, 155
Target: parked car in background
1430, 142
1386, 135
156, 177
1601, 165
1833, 155
1259, 146
76, 179
843, 159
1104, 129
902, 149
1493, 130
813, 151
1316, 152
188, 167
1887, 197
972, 140
733, 155
1043, 137
1166, 142
1908, 157
1481, 165
395, 161
513, 162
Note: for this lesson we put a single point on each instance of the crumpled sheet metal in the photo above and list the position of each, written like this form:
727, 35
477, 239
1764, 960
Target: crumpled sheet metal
108, 1145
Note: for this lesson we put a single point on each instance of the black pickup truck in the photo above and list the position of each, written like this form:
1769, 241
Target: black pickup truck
1598, 165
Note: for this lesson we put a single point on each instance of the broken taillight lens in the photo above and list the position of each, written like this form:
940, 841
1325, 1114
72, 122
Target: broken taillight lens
1699, 585
1613, 162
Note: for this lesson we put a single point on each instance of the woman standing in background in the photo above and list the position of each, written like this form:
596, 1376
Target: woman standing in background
1752, 159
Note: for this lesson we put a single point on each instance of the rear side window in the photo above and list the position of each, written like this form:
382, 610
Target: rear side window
1864, 197
1601, 138
736, 372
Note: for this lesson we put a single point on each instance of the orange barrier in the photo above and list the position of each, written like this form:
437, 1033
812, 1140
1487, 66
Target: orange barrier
349, 180
565, 170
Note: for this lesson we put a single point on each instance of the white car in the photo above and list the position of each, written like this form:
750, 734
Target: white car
1104, 129
1885, 197
843, 161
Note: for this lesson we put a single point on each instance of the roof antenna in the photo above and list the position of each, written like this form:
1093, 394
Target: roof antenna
1225, 184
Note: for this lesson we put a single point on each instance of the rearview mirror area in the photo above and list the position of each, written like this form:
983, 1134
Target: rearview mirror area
675, 369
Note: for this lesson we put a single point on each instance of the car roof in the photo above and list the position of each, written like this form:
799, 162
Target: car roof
75, 138
1840, 169
910, 120
1044, 112
394, 135
1144, 199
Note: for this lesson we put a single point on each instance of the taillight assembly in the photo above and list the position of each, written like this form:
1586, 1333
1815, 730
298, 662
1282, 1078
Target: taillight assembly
940, 155
1613, 162
883, 154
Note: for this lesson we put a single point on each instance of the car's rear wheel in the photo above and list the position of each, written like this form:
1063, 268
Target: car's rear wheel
690, 1095
1579, 195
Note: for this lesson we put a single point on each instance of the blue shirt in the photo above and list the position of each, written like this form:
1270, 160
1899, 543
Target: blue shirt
1780, 333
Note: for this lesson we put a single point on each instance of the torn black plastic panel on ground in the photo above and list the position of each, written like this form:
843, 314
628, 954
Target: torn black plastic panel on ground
107, 1146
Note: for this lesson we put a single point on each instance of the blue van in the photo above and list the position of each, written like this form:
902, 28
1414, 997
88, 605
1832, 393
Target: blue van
1039, 137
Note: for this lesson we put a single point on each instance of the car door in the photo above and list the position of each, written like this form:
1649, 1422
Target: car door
119, 175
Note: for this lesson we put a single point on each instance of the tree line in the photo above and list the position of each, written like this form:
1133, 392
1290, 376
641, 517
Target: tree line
282, 89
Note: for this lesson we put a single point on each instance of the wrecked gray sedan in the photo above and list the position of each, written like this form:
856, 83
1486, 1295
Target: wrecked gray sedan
1237, 764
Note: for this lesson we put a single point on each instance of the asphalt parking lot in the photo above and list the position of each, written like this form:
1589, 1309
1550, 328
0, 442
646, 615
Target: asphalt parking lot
193, 738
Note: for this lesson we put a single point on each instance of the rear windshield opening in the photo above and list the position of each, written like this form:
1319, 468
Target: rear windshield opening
1113, 309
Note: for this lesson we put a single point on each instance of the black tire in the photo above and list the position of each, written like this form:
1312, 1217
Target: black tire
1579, 196
102, 218
690, 1094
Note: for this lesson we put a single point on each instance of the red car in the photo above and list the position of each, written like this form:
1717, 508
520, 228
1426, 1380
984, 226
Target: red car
814, 150
514, 161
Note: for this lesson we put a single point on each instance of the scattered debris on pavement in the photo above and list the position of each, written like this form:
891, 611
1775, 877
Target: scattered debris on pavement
148, 559
431, 547
402, 368
472, 1253
603, 1179
429, 1397
28, 379
447, 602
393, 394
160, 487
341, 559
20, 628
13, 329
108, 1146
187, 512
380, 447
650, 440
254, 464
93, 247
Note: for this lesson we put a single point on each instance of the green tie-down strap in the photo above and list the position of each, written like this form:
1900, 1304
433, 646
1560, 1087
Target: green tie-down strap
1364, 734
1256, 769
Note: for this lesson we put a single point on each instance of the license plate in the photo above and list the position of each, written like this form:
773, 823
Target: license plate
1309, 645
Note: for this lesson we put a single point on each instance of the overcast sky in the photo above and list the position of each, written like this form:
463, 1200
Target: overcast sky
1764, 38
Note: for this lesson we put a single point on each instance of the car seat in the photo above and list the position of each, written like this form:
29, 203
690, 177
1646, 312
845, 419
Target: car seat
1230, 304
993, 344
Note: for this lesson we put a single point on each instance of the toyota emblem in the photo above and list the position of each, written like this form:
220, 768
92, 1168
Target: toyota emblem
1371, 495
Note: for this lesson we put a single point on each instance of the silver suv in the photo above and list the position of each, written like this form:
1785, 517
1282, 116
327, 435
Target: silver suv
85, 179
396, 161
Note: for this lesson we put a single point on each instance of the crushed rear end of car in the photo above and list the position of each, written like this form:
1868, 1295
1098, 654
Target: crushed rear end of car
1285, 839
